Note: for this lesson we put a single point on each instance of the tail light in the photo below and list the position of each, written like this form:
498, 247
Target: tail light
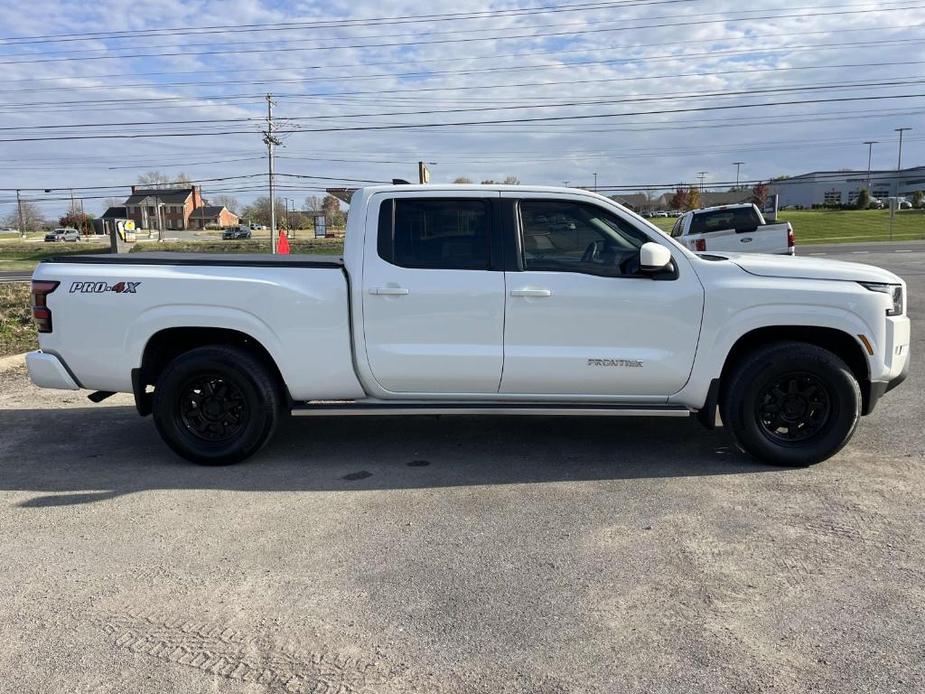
791, 239
700, 245
41, 314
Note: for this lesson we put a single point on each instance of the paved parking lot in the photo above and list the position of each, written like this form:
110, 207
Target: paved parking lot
461, 555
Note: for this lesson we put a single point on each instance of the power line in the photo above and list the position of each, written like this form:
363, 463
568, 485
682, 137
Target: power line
418, 43
327, 24
669, 96
430, 61
409, 126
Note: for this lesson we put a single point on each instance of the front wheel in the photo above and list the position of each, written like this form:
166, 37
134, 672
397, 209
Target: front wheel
792, 403
216, 405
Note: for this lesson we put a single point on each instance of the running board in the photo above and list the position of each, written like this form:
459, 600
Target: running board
330, 409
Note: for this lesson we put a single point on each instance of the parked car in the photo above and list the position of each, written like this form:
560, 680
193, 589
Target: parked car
740, 228
492, 300
258, 227
238, 232
660, 213
63, 234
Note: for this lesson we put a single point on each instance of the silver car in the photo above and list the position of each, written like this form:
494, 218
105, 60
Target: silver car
63, 234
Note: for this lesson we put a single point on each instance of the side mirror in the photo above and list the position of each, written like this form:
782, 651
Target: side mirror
653, 257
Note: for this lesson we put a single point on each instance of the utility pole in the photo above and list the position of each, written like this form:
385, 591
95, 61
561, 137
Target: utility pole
899, 164
738, 165
270, 140
870, 152
701, 175
595, 181
22, 226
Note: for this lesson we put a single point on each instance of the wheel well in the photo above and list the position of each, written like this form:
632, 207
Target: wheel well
840, 343
166, 345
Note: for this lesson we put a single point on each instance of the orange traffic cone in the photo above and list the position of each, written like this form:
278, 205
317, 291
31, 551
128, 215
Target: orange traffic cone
282, 245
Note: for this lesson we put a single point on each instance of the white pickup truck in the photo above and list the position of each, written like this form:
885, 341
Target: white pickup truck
737, 228
477, 300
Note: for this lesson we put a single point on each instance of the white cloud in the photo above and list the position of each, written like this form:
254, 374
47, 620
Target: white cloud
596, 61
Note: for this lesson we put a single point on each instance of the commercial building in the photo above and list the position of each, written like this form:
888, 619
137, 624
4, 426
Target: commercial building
842, 187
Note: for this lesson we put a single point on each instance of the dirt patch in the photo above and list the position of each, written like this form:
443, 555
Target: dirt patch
17, 334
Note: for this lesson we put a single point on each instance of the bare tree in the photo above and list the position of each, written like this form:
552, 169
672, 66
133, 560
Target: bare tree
157, 179
228, 201
32, 217
314, 203
462, 179
153, 179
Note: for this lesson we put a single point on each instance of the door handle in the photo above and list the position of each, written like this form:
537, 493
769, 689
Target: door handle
388, 291
531, 292
747, 239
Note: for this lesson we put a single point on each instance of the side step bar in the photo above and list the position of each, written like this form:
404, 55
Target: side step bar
330, 409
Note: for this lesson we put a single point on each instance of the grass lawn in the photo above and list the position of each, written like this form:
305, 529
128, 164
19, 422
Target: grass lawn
843, 226
24, 255
296, 246
17, 334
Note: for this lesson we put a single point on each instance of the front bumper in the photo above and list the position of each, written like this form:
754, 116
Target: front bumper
880, 388
48, 371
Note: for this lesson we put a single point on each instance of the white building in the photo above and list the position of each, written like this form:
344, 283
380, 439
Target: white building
842, 187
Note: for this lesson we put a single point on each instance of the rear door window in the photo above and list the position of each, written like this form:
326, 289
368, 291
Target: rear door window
436, 233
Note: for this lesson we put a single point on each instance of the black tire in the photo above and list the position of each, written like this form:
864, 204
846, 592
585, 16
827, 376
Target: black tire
216, 405
791, 404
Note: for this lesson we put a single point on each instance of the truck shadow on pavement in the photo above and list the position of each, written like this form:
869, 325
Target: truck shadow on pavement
82, 455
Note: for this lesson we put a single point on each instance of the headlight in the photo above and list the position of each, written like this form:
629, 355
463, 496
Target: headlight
895, 291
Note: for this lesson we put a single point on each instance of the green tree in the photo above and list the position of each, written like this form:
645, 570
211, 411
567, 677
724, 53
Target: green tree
918, 199
259, 211
863, 201
332, 212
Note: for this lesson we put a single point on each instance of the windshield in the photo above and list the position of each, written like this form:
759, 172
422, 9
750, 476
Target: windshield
738, 218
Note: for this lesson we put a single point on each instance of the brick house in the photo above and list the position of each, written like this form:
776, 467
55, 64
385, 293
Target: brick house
213, 215
176, 206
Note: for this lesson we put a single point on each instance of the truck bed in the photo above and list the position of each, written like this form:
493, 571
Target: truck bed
204, 259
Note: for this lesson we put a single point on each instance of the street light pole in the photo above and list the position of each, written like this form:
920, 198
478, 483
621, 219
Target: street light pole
738, 164
595, 181
870, 151
899, 163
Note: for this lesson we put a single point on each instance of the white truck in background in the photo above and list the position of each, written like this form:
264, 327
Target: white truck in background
477, 300
739, 228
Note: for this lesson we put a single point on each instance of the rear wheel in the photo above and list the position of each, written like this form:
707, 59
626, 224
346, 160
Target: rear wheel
216, 405
792, 403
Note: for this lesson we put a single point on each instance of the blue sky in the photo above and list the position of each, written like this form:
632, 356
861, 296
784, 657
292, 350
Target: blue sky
644, 66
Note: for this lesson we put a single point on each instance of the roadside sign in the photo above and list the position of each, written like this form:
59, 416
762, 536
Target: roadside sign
769, 210
321, 226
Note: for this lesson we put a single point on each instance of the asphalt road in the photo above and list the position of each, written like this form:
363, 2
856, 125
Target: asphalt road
461, 555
